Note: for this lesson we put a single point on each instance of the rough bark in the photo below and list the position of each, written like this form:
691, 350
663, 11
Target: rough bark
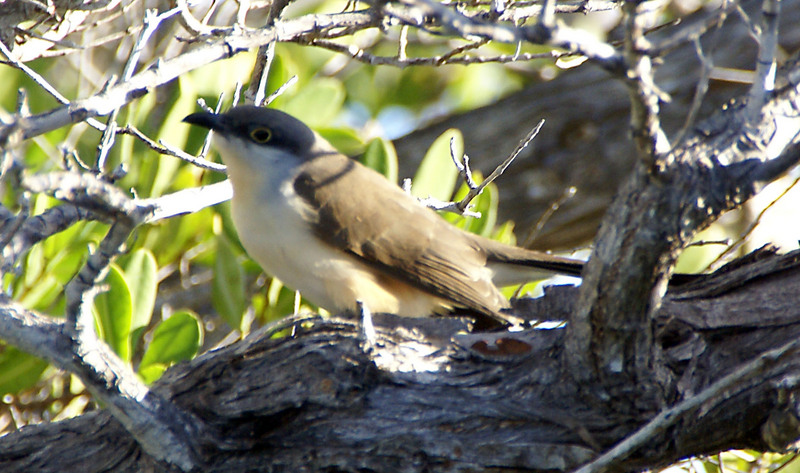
653, 376
329, 400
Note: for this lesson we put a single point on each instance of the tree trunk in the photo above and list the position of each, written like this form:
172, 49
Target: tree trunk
327, 399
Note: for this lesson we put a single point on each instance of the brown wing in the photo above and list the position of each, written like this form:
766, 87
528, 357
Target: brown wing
396, 233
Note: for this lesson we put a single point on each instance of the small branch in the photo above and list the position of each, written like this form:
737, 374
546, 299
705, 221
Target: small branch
191, 23
88, 191
38, 79
650, 139
169, 150
547, 18
163, 430
419, 13
151, 23
462, 164
474, 190
706, 65
552, 209
187, 201
689, 33
402, 44
766, 67
38, 228
451, 57
292, 81
518, 12
165, 71
11, 229
717, 392
743, 236
256, 93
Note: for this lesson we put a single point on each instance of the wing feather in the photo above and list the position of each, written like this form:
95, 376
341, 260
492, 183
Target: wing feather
396, 233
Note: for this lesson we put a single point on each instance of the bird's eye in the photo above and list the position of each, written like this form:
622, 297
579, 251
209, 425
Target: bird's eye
261, 135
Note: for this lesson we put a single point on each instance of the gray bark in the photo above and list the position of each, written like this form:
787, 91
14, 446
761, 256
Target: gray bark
710, 367
326, 400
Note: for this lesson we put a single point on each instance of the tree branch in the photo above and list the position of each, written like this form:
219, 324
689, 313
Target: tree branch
414, 400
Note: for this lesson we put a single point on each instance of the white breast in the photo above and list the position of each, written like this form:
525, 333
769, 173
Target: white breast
273, 225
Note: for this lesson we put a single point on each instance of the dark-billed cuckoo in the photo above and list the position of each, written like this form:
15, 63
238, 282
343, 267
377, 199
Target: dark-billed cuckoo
340, 232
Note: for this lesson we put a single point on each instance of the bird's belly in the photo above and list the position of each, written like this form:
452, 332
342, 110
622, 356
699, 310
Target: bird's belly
285, 246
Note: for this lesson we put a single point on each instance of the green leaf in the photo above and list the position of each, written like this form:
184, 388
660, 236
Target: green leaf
227, 289
318, 102
219, 76
175, 134
382, 157
141, 272
176, 339
343, 139
279, 301
42, 294
18, 370
34, 264
436, 175
485, 203
112, 311
64, 265
151, 373
505, 233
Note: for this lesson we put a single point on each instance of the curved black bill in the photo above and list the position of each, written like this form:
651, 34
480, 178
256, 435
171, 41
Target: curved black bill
204, 119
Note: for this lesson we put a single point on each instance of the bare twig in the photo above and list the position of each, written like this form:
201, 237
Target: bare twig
186, 201
552, 209
402, 44
722, 257
700, 90
766, 67
712, 394
191, 23
256, 93
39, 227
237, 94
216, 48
292, 81
455, 22
462, 164
547, 18
645, 95
452, 57
9, 231
38, 79
690, 33
151, 23
169, 150
499, 170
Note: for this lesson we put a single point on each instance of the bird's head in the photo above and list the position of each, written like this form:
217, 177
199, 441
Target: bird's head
246, 132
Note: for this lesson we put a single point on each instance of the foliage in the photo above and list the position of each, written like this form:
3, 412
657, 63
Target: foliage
201, 249
143, 312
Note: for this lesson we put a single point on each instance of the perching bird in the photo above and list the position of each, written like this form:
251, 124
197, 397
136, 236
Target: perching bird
340, 232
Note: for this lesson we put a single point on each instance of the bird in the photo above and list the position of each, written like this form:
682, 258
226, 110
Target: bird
347, 237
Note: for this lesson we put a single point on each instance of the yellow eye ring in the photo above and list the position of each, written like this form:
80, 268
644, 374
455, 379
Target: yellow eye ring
261, 135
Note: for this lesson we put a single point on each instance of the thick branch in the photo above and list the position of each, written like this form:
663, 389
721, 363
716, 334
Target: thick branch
655, 215
415, 401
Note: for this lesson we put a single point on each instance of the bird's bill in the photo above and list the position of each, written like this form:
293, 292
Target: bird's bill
204, 119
